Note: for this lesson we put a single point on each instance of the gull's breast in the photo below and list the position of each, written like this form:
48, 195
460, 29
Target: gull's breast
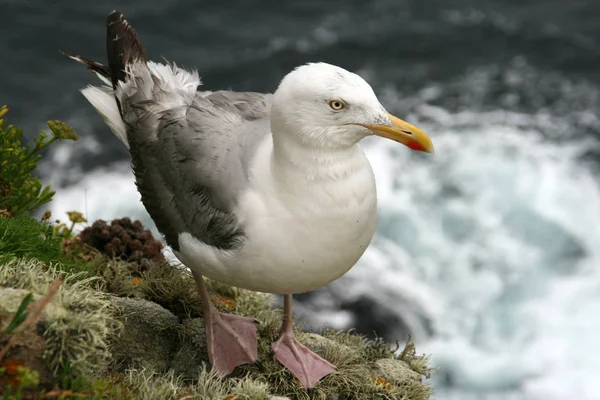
303, 244
300, 233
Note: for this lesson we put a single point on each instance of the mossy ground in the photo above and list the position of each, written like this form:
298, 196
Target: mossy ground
81, 323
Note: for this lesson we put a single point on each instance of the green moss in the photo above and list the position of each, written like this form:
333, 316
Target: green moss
171, 287
354, 355
25, 237
418, 363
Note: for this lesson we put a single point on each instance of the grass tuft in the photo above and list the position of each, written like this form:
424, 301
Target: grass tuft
418, 363
25, 237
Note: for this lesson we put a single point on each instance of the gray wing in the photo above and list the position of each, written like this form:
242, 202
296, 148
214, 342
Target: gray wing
191, 176
190, 150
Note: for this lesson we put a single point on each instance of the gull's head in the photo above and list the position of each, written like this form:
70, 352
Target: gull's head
322, 105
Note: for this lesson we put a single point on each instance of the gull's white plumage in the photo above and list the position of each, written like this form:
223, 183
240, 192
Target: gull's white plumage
309, 212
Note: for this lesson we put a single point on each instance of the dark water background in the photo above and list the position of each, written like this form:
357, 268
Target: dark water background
250, 45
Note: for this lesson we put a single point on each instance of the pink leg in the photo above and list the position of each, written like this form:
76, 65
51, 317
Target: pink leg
231, 339
305, 365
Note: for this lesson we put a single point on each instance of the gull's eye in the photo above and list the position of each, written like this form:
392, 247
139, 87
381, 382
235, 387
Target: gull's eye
337, 105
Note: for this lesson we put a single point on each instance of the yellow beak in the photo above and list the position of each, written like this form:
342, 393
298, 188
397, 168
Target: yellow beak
405, 133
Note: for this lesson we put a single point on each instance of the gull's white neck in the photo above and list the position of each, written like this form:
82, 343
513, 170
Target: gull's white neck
307, 163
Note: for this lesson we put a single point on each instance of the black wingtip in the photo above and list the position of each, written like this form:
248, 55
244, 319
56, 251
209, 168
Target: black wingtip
67, 54
122, 46
115, 16
91, 65
72, 56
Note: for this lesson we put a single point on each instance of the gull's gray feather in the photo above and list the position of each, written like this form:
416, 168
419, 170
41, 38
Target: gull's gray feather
205, 155
190, 150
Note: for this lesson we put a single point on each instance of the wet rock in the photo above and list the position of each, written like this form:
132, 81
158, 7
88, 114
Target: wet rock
149, 335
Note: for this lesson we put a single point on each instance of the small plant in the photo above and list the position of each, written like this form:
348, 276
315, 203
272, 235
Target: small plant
61, 229
419, 364
20, 191
25, 378
19, 316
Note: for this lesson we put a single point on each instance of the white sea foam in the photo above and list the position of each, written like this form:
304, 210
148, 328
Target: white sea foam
105, 193
496, 240
488, 251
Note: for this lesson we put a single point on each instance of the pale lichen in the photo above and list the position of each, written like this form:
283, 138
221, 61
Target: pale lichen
250, 389
80, 322
80, 329
150, 385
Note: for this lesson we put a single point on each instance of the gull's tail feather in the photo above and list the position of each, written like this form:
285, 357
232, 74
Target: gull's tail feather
136, 92
100, 70
122, 47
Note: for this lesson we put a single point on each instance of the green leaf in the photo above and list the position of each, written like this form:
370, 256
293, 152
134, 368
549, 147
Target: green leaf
7, 393
20, 315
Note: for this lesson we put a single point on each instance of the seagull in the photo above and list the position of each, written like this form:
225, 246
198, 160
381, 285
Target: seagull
267, 192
